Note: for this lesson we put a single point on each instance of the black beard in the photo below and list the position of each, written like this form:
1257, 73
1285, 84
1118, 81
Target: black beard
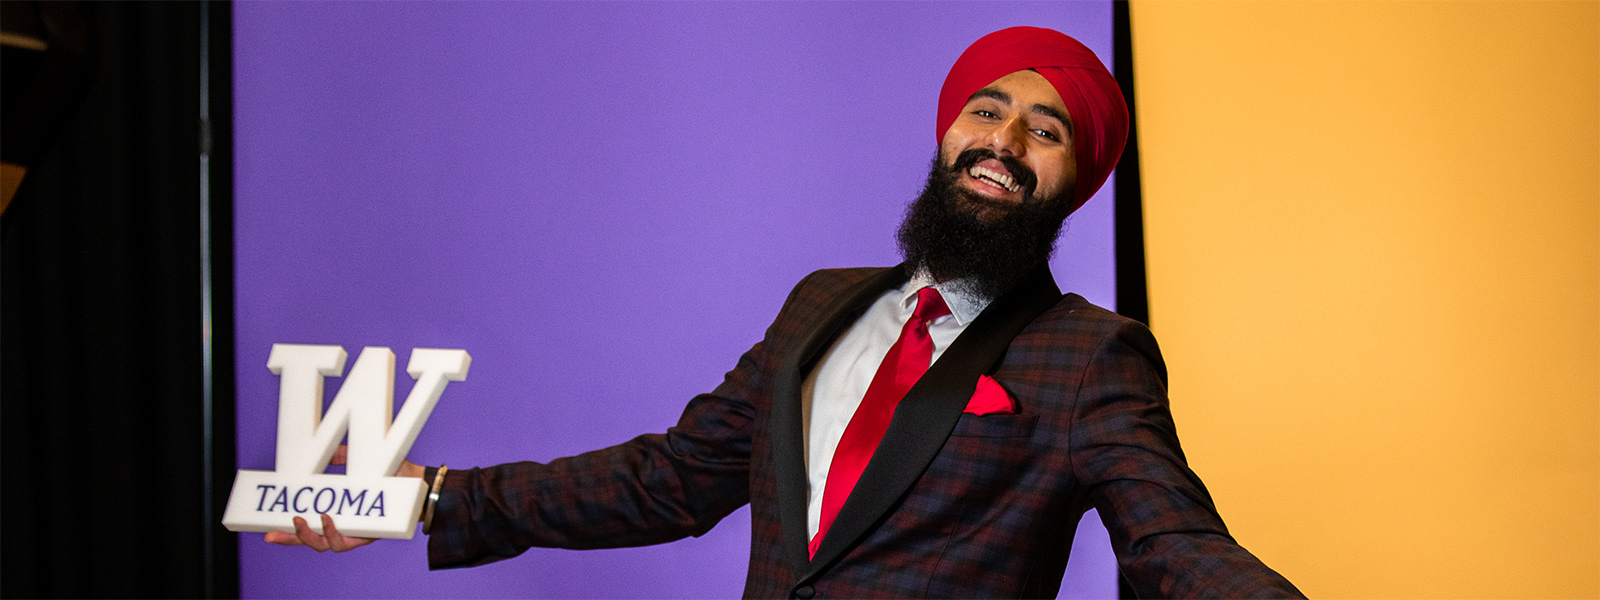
956, 234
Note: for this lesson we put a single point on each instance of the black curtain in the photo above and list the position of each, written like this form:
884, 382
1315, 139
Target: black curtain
1133, 297
107, 464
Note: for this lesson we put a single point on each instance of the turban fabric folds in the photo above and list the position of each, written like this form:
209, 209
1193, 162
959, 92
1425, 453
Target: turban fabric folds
1093, 100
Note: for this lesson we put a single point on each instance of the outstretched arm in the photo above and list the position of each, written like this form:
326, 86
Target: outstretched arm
1169, 539
650, 490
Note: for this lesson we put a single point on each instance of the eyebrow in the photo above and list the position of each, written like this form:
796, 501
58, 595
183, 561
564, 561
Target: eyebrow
1039, 109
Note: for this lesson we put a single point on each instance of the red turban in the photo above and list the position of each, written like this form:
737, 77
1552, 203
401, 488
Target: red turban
1094, 102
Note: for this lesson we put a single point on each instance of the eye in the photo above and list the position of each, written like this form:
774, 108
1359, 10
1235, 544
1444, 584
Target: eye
1047, 134
985, 114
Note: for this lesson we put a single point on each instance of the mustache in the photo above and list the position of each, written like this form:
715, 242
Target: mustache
1024, 176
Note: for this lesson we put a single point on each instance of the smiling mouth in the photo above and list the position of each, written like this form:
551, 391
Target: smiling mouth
1000, 180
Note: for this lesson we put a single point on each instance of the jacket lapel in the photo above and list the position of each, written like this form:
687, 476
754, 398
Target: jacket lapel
922, 421
788, 443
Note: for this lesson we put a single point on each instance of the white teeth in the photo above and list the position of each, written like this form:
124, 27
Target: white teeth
1004, 181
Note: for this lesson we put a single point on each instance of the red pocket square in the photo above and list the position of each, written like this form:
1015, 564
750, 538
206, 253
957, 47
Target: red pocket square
990, 399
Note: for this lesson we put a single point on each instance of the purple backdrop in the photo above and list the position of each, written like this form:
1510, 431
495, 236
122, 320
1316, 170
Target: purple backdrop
604, 203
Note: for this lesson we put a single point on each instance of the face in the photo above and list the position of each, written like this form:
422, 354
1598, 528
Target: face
1019, 116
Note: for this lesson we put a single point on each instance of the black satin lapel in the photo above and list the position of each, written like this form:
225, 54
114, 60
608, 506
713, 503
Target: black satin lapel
788, 443
925, 418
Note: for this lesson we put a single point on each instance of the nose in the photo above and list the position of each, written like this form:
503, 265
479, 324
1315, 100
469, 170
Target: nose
1009, 137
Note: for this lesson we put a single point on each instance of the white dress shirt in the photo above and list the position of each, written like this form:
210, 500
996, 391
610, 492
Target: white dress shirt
834, 389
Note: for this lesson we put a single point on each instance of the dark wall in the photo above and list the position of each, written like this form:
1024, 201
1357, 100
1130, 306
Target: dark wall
103, 387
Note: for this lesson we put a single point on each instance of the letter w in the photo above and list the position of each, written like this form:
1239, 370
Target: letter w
364, 406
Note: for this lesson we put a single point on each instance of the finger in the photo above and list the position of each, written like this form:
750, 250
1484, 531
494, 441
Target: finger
339, 541
335, 539
308, 537
283, 538
340, 455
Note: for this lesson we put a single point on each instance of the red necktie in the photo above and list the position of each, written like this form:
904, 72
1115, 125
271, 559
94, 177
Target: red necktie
905, 363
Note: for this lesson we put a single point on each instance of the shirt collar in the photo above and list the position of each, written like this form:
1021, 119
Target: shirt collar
964, 305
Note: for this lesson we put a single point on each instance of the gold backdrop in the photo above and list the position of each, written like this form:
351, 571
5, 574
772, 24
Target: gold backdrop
1373, 232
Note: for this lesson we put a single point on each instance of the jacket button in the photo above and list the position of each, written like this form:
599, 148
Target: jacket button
805, 592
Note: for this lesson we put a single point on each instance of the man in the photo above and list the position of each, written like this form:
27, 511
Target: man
931, 429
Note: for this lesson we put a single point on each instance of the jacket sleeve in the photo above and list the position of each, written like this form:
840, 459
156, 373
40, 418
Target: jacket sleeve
1170, 541
652, 489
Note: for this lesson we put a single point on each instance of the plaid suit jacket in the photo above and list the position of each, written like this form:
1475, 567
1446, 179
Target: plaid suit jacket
951, 505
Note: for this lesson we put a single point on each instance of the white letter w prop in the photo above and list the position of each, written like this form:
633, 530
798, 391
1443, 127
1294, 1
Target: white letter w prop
367, 501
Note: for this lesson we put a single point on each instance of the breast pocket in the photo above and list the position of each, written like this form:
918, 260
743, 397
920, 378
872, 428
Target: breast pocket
996, 426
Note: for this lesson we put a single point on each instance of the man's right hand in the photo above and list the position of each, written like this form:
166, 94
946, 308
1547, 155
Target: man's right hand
330, 539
